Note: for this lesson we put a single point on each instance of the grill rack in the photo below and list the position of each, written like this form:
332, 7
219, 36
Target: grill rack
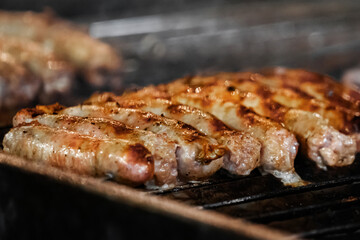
328, 207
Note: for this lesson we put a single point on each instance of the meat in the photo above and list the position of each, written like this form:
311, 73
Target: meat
57, 76
198, 156
278, 146
335, 102
244, 149
161, 148
321, 142
18, 88
316, 85
343, 120
126, 161
196, 125
97, 61
54, 57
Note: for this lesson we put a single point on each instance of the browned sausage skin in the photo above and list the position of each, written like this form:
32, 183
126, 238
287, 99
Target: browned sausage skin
125, 161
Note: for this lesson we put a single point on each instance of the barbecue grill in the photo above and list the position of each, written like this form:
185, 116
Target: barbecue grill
161, 44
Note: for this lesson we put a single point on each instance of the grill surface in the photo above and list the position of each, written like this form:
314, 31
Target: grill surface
328, 207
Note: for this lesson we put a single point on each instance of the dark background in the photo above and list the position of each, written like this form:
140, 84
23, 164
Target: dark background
162, 40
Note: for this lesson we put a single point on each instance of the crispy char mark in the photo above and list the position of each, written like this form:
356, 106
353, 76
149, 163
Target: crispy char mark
196, 85
275, 158
325, 86
236, 162
128, 162
184, 133
273, 110
113, 127
136, 102
178, 109
112, 108
138, 154
344, 115
26, 113
336, 149
216, 124
344, 120
111, 103
244, 150
229, 92
191, 136
196, 159
164, 155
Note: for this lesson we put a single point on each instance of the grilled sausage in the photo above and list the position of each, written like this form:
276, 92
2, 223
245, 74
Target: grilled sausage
244, 149
96, 60
161, 148
198, 155
278, 146
127, 162
316, 85
325, 145
56, 75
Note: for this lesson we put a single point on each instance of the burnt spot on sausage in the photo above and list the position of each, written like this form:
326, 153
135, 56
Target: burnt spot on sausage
139, 155
244, 110
186, 126
148, 117
121, 129
314, 107
247, 114
276, 111
264, 92
230, 88
218, 125
177, 109
300, 92
34, 112
37, 111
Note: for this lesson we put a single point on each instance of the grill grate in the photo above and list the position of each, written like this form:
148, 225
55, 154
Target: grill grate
328, 207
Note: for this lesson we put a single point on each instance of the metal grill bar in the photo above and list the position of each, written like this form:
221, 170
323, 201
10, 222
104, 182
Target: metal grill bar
324, 221
295, 205
327, 206
347, 231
